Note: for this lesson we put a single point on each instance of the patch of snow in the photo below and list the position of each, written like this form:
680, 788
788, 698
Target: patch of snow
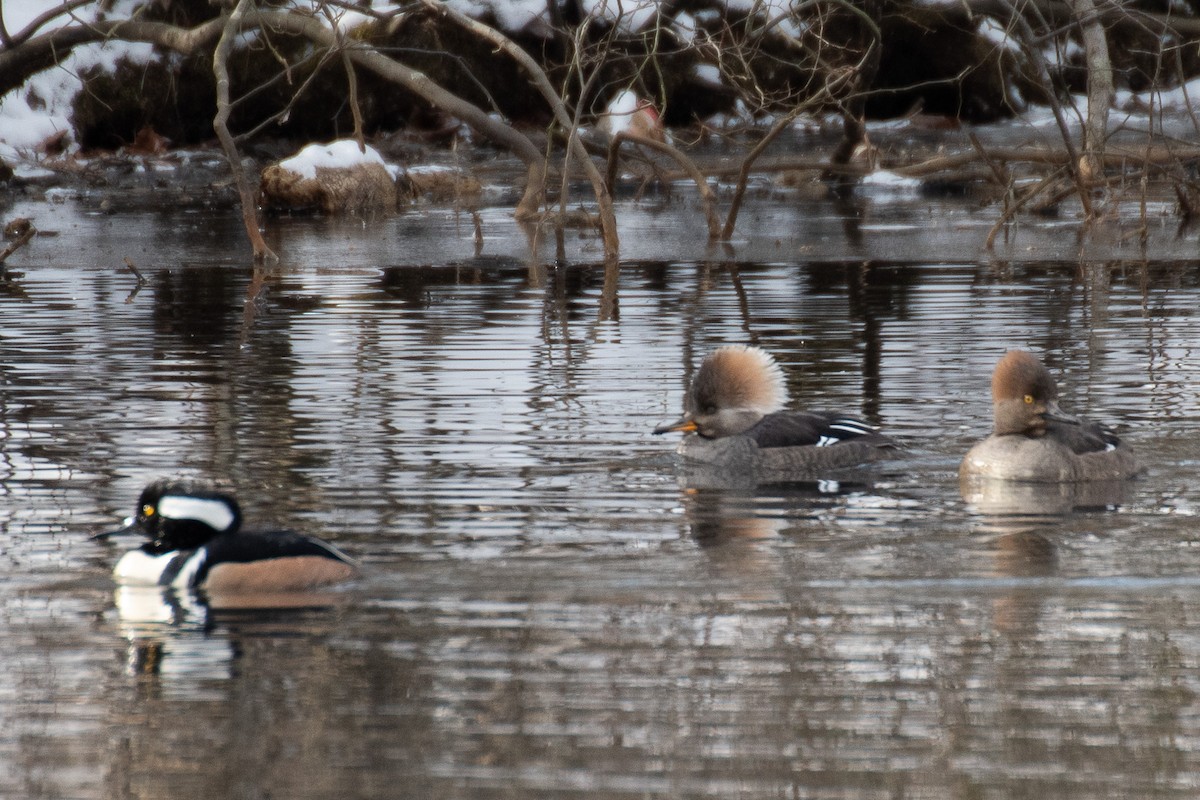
341, 154
887, 179
511, 15
769, 7
708, 73
740, 116
43, 105
997, 34
29, 171
1063, 52
1180, 98
685, 27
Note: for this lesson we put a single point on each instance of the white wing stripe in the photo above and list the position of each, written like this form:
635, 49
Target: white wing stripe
851, 426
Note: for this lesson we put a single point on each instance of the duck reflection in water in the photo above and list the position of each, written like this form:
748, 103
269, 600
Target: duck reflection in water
736, 431
197, 561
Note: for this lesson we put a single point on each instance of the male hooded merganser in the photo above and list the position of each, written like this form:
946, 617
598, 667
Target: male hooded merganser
1035, 441
733, 409
196, 542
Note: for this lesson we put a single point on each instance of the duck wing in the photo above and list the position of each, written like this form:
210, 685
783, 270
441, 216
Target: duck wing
1084, 436
247, 546
810, 429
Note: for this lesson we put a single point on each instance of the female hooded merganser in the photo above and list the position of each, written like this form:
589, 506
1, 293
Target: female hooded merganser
733, 409
1035, 441
196, 542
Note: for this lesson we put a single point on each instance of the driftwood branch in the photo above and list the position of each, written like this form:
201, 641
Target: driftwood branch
47, 49
15, 245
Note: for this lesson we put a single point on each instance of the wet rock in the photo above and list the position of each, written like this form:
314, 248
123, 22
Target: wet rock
438, 184
336, 178
18, 227
361, 189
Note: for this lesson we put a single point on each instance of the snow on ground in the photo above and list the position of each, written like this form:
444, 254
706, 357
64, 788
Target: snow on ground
1179, 98
42, 107
996, 33
511, 15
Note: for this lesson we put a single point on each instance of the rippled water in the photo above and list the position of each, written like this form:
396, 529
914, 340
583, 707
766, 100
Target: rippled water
544, 609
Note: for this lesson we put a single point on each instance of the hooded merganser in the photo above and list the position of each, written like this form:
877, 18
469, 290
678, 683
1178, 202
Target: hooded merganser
734, 411
1035, 441
196, 542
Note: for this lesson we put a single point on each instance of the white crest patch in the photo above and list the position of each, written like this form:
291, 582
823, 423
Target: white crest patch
216, 514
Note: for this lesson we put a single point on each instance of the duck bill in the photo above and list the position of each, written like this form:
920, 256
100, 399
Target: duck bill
685, 424
129, 525
1056, 414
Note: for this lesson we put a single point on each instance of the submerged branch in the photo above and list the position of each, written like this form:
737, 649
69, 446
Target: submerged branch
707, 196
15, 245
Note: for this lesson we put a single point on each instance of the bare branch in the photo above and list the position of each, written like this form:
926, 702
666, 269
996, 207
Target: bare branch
541, 82
707, 197
262, 253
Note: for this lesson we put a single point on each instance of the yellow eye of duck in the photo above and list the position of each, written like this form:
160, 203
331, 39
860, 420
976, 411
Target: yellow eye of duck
1028, 399
147, 510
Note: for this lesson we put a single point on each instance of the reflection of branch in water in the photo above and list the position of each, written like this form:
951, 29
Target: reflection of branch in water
255, 294
141, 280
743, 300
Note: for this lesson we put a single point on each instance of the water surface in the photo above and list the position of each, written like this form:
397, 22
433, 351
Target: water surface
545, 609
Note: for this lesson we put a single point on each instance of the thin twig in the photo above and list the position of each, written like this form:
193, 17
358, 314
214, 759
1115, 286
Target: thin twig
141, 279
